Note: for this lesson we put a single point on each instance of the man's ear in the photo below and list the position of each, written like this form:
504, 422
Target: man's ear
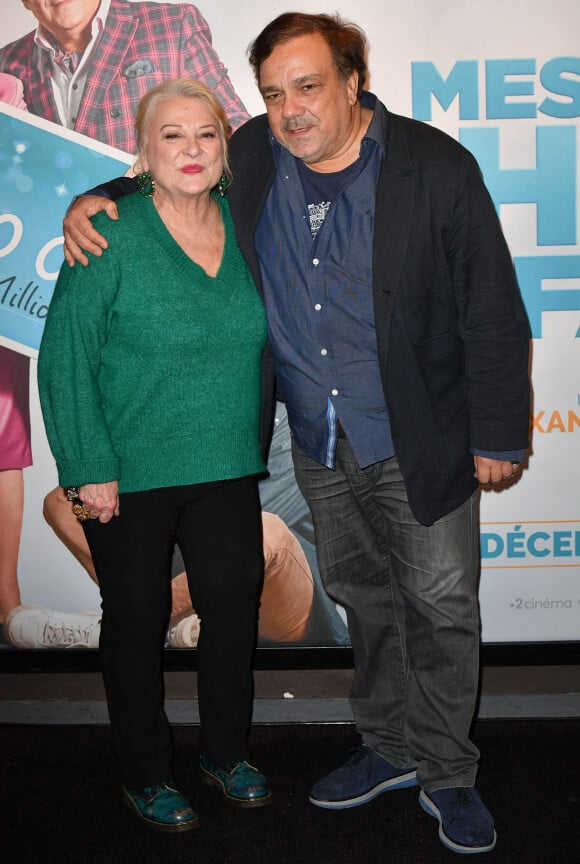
352, 87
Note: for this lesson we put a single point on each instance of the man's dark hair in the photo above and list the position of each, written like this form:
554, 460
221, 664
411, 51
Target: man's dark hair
346, 41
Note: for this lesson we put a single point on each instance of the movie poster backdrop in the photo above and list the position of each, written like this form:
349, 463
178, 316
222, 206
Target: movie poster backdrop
504, 79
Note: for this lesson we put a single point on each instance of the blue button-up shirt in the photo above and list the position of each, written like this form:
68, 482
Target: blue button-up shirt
318, 294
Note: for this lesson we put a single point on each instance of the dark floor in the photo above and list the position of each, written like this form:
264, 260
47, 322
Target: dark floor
61, 801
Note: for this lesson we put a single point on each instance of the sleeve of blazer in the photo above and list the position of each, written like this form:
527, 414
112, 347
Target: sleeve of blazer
24, 61
200, 60
492, 320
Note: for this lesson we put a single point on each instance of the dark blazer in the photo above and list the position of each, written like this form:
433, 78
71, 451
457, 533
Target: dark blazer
452, 331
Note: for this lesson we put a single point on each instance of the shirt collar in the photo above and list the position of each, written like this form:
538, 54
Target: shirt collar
378, 126
46, 41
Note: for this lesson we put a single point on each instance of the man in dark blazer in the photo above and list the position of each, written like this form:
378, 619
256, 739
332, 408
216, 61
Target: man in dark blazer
400, 344
89, 62
401, 350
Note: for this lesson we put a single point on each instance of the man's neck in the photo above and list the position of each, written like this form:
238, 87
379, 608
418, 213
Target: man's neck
350, 152
71, 41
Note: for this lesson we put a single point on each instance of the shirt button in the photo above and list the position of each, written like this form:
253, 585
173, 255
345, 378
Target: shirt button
334, 392
75, 86
316, 261
318, 307
324, 352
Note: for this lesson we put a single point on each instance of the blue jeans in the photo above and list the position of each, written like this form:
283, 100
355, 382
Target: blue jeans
410, 595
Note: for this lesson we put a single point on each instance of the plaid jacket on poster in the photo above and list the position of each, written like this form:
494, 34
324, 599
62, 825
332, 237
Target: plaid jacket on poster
141, 45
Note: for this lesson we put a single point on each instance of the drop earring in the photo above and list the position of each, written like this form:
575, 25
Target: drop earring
146, 184
222, 186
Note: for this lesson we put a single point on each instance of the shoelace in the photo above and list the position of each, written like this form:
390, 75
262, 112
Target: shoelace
359, 755
235, 768
239, 768
462, 796
158, 790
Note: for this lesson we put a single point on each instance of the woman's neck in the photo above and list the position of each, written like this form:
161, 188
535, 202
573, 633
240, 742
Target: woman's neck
186, 210
196, 225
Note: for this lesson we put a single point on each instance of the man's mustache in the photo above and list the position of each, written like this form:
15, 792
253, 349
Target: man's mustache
297, 123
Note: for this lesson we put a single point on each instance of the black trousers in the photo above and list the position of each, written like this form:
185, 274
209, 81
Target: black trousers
219, 531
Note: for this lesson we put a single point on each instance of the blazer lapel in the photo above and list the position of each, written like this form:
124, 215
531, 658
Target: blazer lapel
253, 176
41, 99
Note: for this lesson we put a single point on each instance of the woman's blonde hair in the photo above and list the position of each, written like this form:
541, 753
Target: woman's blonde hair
190, 88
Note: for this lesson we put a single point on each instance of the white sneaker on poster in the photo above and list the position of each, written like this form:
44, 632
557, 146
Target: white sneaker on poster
37, 627
184, 634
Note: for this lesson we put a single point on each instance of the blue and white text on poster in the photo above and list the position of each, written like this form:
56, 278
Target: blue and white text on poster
42, 166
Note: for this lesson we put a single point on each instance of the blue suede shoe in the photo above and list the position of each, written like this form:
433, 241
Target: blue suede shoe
465, 823
162, 807
363, 776
241, 783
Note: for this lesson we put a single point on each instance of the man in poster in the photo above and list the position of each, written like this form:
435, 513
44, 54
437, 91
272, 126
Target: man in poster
88, 62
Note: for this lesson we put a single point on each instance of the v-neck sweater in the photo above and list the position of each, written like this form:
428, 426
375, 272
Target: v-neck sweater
149, 368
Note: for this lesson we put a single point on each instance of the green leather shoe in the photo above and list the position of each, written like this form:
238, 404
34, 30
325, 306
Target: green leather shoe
242, 785
162, 807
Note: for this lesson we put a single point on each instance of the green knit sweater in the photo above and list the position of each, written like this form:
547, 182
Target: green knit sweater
149, 369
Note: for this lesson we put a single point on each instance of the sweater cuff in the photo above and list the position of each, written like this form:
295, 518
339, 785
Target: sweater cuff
78, 472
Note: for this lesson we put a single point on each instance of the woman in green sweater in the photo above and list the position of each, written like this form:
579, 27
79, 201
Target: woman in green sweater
149, 377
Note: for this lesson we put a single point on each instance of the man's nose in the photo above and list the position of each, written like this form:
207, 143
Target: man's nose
291, 106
